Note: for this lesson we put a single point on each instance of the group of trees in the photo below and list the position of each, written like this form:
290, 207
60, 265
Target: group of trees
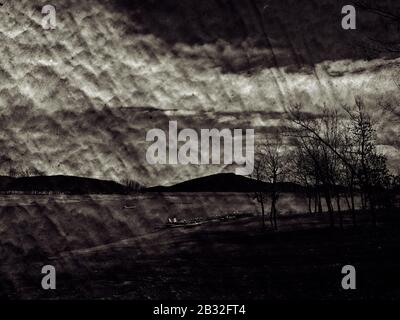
131, 185
270, 166
334, 156
14, 172
27, 172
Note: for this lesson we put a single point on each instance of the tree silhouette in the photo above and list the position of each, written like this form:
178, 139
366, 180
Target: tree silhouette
342, 149
271, 166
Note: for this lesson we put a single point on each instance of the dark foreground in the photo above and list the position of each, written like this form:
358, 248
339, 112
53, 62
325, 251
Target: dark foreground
227, 260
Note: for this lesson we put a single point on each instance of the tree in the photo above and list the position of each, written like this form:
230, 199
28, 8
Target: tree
12, 172
303, 171
348, 176
318, 139
259, 175
370, 166
131, 185
271, 166
352, 156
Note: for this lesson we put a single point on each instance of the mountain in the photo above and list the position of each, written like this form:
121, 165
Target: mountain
5, 181
225, 182
61, 184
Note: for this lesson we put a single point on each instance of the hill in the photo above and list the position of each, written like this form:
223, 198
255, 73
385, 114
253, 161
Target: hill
61, 184
225, 182
5, 181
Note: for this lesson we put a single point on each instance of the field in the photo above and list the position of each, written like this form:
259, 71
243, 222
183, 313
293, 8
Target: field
117, 247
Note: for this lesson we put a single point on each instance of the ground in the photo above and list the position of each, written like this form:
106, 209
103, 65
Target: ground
232, 259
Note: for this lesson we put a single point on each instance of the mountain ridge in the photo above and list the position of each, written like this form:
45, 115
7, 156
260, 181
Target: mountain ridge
61, 184
225, 182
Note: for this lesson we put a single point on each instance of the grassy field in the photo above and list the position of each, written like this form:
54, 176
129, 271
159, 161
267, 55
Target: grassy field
117, 248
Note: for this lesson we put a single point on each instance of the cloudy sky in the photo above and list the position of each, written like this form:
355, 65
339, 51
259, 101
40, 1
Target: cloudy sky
79, 99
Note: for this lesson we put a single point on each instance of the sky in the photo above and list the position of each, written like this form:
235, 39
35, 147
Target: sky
79, 99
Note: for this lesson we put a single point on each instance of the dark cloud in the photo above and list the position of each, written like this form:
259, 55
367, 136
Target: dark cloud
291, 33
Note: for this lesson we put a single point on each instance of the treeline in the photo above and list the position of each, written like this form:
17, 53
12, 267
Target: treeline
334, 155
24, 172
132, 185
33, 181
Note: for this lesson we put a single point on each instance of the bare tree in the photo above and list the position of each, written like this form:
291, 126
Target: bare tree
271, 167
259, 174
348, 177
336, 162
318, 140
303, 172
131, 185
12, 172
370, 166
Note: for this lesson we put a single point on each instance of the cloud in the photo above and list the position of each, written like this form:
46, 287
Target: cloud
79, 99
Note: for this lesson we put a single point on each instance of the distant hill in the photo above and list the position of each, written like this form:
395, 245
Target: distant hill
61, 184
225, 182
5, 181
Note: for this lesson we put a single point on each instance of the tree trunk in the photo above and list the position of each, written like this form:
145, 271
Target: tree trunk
315, 202
262, 211
309, 196
353, 209
271, 213
372, 208
275, 214
363, 205
339, 211
347, 202
319, 204
330, 208
275, 219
